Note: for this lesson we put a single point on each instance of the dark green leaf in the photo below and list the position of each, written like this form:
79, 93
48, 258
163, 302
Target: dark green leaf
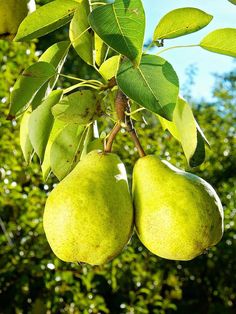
154, 84
28, 84
46, 19
180, 22
121, 26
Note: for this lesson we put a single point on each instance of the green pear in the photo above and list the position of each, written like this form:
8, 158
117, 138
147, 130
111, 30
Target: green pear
12, 13
177, 214
88, 217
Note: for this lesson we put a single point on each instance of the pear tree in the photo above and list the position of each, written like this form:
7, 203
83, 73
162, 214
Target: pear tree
90, 216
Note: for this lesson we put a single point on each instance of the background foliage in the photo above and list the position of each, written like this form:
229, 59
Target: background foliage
33, 280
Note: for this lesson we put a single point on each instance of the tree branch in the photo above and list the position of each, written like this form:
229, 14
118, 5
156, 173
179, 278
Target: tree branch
121, 106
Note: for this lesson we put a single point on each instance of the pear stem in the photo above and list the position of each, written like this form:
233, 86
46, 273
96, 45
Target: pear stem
122, 107
112, 135
132, 132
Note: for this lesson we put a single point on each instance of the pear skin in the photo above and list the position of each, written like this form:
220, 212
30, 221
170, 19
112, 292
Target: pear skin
177, 214
88, 217
12, 13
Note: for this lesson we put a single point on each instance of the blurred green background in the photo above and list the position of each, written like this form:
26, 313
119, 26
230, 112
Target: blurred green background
33, 280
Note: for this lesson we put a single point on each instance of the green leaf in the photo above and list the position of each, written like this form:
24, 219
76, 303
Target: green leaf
66, 149
101, 50
56, 55
121, 25
81, 38
28, 84
110, 67
46, 19
81, 107
186, 130
180, 22
58, 126
222, 41
153, 85
25, 143
41, 122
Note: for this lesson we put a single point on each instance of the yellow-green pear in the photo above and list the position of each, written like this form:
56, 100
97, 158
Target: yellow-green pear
177, 214
88, 217
12, 13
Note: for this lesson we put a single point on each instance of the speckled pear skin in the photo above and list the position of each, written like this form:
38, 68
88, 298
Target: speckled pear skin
88, 217
177, 214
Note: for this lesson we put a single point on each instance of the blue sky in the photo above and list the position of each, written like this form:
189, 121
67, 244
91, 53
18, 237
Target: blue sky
224, 16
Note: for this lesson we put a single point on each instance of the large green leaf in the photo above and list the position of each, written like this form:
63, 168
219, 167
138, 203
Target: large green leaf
46, 19
180, 22
121, 25
81, 107
154, 84
232, 1
222, 41
25, 143
28, 84
81, 38
66, 149
41, 122
186, 130
56, 55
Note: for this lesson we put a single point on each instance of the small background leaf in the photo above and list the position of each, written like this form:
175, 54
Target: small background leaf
180, 22
46, 19
222, 41
41, 122
153, 85
28, 84
121, 26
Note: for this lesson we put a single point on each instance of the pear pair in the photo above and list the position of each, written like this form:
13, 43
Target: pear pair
89, 215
